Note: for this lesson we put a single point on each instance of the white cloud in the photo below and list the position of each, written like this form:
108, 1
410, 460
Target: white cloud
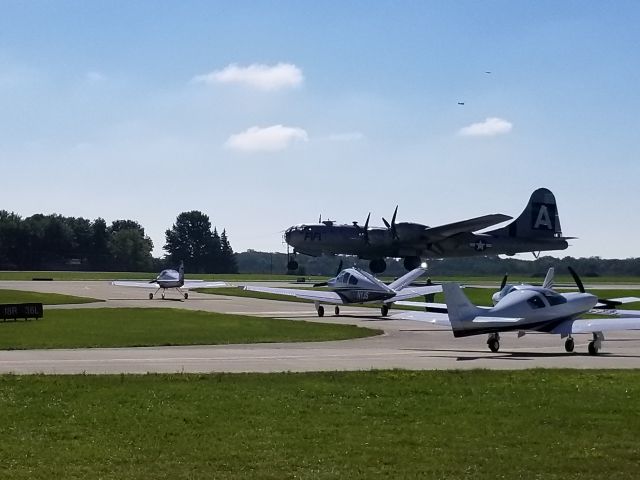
346, 137
490, 127
268, 139
260, 76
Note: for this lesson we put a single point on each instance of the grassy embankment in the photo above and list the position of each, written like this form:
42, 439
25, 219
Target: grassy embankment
134, 327
551, 424
20, 296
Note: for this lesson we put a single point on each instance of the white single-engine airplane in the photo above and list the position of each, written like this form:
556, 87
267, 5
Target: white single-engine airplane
354, 286
170, 279
525, 308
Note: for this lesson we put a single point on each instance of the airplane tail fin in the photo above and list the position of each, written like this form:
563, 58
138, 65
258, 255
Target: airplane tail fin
539, 219
461, 311
181, 271
548, 280
406, 279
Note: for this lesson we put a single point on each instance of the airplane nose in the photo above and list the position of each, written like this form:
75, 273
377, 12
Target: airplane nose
287, 234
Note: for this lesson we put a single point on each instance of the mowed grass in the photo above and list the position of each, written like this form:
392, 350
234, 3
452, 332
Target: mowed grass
138, 327
536, 424
20, 296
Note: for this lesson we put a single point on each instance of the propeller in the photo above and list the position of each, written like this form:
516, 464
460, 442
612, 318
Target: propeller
324, 284
392, 226
607, 304
504, 281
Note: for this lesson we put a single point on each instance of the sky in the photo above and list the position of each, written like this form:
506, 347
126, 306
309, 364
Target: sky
266, 114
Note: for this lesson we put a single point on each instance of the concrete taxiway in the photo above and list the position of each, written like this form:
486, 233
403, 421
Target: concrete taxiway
404, 344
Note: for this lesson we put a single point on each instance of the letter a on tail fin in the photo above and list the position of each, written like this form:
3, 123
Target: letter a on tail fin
539, 219
461, 311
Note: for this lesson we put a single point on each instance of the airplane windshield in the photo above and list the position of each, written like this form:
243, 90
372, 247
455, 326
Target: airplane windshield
555, 298
346, 278
536, 302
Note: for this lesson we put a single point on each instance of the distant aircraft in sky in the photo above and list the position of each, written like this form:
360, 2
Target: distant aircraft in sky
460, 103
354, 286
170, 279
524, 308
536, 229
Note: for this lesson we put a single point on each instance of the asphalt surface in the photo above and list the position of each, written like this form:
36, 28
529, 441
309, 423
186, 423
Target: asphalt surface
404, 344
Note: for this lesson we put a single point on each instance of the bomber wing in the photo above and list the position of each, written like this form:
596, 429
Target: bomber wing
304, 293
441, 232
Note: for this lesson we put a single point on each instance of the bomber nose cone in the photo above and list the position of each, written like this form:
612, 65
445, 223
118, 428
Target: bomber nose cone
287, 234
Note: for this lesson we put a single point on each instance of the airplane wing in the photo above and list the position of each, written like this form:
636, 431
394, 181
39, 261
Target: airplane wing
411, 292
598, 325
126, 283
191, 284
619, 300
431, 306
304, 293
441, 319
473, 224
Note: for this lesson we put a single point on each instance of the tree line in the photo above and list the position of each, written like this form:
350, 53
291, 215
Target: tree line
55, 242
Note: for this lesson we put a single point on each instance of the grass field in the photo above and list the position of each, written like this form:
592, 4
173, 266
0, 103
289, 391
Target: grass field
130, 327
536, 424
19, 296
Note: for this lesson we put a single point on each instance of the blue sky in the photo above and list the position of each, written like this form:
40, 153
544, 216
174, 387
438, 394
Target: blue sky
267, 114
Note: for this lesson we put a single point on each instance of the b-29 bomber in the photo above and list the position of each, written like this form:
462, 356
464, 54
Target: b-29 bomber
536, 229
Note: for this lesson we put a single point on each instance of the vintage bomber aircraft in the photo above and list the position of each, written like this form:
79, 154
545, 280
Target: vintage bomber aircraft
536, 229
353, 286
525, 308
170, 279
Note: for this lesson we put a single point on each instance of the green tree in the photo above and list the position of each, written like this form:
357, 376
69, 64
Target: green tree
190, 240
228, 262
130, 250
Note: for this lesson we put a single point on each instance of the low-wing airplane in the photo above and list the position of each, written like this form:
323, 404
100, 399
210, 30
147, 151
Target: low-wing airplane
529, 308
536, 229
170, 279
354, 286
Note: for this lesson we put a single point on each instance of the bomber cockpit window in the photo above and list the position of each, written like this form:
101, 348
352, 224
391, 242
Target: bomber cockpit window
555, 298
353, 280
536, 302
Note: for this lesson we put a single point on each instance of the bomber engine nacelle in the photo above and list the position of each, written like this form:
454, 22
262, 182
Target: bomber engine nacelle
407, 231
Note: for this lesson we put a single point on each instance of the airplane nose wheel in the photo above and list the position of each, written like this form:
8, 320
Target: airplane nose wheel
337, 311
186, 295
569, 345
151, 296
384, 310
321, 311
494, 342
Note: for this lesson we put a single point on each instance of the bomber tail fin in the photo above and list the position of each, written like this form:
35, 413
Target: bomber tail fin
461, 311
539, 219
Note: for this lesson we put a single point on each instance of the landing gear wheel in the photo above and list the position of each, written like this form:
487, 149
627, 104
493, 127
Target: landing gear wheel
569, 345
494, 344
292, 265
378, 265
163, 296
151, 296
593, 350
384, 310
186, 295
321, 311
336, 310
411, 263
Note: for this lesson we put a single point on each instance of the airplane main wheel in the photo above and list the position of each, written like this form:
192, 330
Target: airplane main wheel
569, 345
384, 310
593, 350
151, 296
163, 296
186, 295
321, 311
411, 263
378, 265
336, 310
494, 344
292, 265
